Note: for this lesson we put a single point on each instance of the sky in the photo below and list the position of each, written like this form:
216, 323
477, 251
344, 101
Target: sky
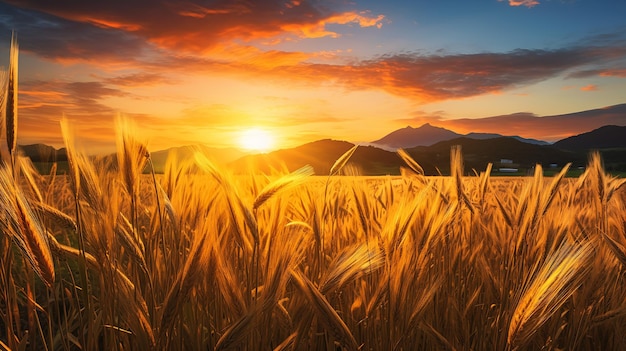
188, 72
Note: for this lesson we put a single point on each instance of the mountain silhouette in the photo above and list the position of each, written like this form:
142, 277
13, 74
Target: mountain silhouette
370, 160
424, 135
321, 155
477, 153
43, 153
428, 134
602, 138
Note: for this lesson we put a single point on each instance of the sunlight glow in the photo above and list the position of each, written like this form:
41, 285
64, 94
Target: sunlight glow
256, 139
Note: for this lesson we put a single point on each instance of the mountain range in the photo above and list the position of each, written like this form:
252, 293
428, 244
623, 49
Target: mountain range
427, 135
435, 158
428, 145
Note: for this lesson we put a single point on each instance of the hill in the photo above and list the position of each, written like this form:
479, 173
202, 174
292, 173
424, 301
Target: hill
609, 140
494, 135
435, 159
477, 153
43, 153
602, 138
321, 155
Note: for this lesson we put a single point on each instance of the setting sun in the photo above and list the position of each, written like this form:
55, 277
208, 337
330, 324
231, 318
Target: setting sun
256, 139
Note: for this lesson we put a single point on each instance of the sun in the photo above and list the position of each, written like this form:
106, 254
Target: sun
256, 139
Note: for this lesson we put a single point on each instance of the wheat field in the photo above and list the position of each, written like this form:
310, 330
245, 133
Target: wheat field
113, 257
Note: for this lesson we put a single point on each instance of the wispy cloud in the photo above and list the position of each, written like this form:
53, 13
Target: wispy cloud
601, 72
139, 79
527, 3
43, 103
589, 87
418, 118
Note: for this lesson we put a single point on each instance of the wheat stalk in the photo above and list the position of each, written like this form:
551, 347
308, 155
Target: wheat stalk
197, 262
350, 265
282, 183
25, 228
57, 216
341, 161
323, 310
413, 165
553, 284
11, 99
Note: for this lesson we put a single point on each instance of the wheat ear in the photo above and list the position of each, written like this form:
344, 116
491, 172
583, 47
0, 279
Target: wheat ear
11, 99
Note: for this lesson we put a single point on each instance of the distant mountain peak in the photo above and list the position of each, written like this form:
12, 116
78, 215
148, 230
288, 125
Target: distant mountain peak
424, 135
427, 135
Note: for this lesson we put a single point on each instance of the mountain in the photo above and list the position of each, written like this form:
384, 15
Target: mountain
427, 135
550, 128
477, 153
409, 137
435, 159
43, 153
602, 138
321, 155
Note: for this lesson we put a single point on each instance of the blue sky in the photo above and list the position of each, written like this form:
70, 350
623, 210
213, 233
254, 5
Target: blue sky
207, 71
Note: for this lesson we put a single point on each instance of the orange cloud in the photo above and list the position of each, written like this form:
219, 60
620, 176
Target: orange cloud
139, 79
198, 11
590, 87
602, 72
188, 26
614, 73
527, 3
430, 78
104, 23
318, 29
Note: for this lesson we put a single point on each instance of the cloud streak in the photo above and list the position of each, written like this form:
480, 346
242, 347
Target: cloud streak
43, 103
606, 72
429, 78
527, 3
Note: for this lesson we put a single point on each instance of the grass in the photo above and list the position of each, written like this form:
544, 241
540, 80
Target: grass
197, 258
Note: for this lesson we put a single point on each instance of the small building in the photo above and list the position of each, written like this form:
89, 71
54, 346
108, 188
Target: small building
506, 166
